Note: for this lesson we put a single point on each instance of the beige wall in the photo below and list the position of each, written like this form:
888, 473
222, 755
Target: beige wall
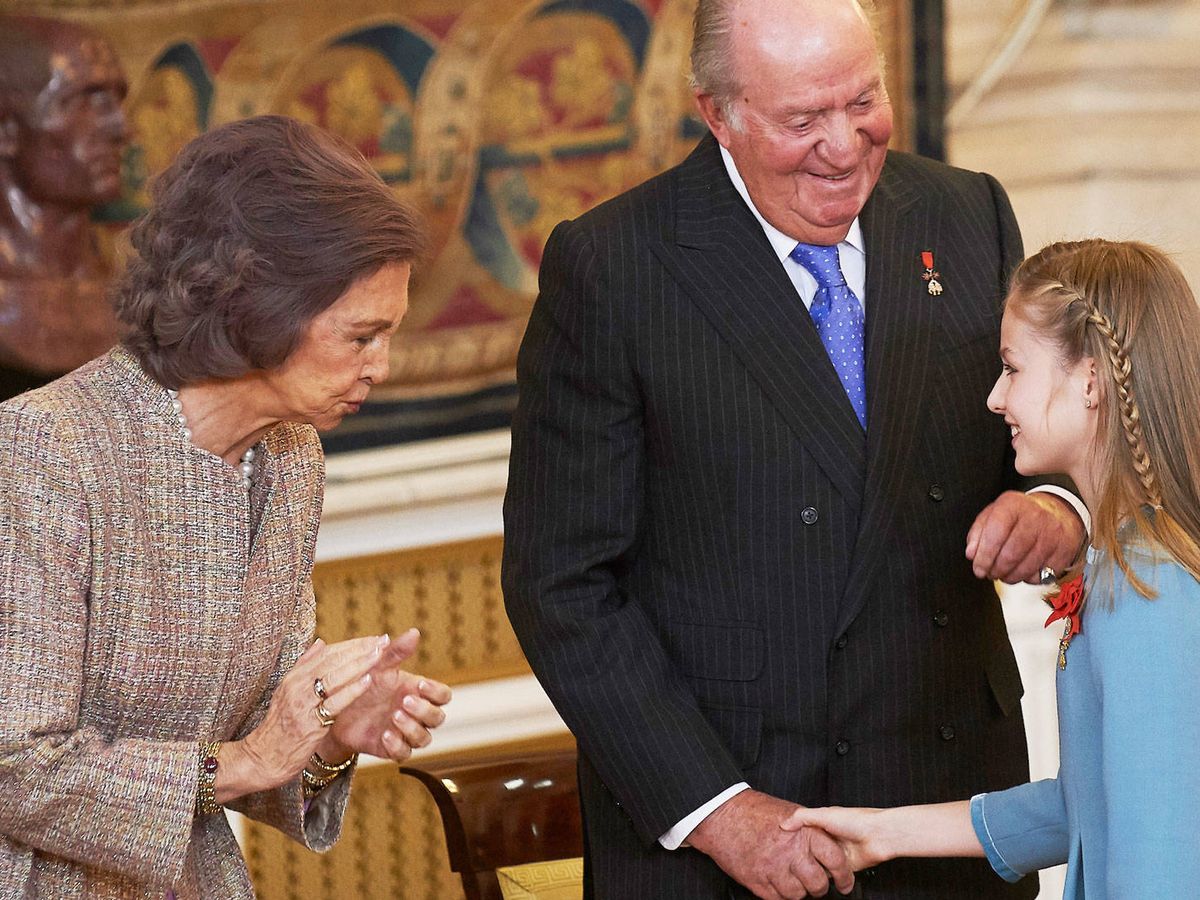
1094, 127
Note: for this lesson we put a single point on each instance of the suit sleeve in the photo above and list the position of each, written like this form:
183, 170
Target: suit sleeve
1012, 248
1012, 251
573, 515
1147, 669
66, 790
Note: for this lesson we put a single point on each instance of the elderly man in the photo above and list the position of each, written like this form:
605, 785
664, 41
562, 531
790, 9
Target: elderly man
752, 439
61, 135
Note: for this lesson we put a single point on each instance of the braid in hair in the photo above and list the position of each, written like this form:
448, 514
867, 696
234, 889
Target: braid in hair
1131, 419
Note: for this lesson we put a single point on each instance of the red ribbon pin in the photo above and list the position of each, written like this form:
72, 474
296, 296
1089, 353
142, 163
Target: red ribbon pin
930, 275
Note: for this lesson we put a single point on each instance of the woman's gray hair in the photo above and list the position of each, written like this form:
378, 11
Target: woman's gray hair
256, 228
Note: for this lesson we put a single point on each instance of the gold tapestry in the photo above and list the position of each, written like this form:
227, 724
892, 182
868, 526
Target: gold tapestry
496, 118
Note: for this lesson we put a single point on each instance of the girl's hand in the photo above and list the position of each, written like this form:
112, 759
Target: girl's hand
872, 836
857, 830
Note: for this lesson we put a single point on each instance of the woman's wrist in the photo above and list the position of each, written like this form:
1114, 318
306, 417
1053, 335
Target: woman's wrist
334, 751
243, 771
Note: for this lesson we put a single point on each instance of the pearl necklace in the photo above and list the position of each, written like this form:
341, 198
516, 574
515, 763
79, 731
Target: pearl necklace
245, 467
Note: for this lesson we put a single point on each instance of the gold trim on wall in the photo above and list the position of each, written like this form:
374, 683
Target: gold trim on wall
451, 592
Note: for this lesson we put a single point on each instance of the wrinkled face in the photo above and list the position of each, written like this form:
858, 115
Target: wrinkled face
1044, 403
814, 115
69, 147
343, 353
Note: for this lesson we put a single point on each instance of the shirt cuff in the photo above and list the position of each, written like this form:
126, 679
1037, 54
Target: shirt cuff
1076, 503
675, 838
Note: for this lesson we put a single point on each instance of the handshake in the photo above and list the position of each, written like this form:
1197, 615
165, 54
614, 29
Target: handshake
782, 851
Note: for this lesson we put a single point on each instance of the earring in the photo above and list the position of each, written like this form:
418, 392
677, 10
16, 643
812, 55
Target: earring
1087, 402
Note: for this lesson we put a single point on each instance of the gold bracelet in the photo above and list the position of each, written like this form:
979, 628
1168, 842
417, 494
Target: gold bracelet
318, 766
315, 782
206, 798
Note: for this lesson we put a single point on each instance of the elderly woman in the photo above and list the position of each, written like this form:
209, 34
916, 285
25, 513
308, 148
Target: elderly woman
158, 516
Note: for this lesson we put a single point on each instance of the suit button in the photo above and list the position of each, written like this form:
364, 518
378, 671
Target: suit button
841, 642
808, 515
937, 493
842, 748
946, 732
941, 618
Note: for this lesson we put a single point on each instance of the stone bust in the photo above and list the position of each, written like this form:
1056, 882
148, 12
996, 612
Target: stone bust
62, 131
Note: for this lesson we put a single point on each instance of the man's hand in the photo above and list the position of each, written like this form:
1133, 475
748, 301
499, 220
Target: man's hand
743, 837
1018, 534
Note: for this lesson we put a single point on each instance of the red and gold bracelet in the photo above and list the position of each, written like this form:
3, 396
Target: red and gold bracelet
206, 798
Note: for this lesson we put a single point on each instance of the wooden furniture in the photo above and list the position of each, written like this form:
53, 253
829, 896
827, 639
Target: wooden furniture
504, 809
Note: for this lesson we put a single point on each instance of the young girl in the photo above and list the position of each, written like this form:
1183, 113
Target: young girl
1100, 346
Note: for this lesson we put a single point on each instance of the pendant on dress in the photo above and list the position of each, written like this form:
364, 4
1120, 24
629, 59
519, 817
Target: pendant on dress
1063, 643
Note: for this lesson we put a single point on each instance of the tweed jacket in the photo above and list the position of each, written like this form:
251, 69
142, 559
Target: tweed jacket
1122, 812
147, 603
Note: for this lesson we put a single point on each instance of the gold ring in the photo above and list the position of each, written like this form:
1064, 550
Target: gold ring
324, 716
319, 689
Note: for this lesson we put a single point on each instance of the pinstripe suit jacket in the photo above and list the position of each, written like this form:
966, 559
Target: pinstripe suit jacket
712, 571
146, 604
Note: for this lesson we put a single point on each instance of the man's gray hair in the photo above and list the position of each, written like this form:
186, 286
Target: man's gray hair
713, 70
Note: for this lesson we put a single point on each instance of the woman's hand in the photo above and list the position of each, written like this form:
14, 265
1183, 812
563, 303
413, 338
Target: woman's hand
394, 715
275, 752
857, 830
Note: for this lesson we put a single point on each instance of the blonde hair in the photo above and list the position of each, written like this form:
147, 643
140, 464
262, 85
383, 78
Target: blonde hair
1127, 305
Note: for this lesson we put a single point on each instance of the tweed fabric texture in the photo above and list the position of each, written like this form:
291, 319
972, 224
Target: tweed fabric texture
147, 602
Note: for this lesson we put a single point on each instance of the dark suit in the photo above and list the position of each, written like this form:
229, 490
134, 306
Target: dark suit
714, 574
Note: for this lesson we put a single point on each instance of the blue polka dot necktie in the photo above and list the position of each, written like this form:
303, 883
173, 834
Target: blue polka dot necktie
839, 319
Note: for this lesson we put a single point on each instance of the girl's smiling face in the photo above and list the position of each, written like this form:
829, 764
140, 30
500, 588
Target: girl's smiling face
1049, 404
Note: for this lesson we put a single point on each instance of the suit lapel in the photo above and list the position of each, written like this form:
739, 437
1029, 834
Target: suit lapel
901, 324
724, 262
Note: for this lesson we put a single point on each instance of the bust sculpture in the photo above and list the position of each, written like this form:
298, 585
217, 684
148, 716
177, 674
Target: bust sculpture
62, 131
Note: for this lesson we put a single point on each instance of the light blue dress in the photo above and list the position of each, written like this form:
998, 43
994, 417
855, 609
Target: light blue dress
1124, 812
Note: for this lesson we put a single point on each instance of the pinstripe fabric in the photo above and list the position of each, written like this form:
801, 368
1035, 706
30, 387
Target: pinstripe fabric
146, 604
714, 573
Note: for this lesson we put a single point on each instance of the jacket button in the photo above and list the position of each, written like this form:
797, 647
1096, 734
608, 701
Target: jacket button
941, 618
946, 732
937, 493
842, 748
808, 515
841, 642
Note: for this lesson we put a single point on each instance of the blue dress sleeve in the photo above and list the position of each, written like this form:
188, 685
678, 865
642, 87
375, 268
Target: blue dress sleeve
1147, 666
1022, 829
